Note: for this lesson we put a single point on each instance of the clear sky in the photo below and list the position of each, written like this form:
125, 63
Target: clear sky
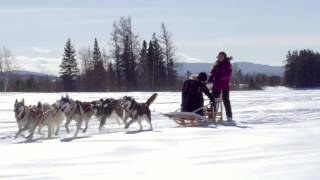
259, 31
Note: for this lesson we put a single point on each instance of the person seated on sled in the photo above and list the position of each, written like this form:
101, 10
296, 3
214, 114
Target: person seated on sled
192, 98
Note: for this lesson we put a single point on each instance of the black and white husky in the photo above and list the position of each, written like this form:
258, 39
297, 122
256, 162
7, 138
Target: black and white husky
137, 111
77, 111
109, 108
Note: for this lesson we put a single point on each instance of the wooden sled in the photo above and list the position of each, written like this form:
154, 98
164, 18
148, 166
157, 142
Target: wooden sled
192, 119
188, 119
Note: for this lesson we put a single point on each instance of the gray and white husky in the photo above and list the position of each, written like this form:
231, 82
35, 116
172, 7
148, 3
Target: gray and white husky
52, 118
77, 111
31, 117
19, 113
27, 117
137, 111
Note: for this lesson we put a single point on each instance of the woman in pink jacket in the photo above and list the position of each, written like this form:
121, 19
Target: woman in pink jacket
220, 76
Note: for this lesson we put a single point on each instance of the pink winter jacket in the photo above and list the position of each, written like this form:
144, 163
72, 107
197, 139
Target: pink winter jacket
221, 75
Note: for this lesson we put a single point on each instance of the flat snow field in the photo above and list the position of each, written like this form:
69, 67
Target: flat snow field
278, 139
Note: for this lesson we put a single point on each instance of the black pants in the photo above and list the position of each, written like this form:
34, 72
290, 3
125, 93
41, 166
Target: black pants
226, 100
191, 106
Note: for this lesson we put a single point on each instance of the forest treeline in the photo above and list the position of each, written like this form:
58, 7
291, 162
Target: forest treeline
302, 69
132, 64
256, 81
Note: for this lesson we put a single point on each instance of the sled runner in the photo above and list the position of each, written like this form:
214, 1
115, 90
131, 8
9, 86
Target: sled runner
188, 119
212, 115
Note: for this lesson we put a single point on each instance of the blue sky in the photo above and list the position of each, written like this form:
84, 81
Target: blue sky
259, 31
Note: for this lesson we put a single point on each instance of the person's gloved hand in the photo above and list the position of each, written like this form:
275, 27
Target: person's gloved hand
210, 79
212, 101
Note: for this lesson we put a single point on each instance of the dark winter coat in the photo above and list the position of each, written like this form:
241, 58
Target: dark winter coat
192, 97
221, 75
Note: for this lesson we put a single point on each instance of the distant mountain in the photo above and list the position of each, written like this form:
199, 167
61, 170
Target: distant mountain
246, 68
28, 73
25, 74
249, 68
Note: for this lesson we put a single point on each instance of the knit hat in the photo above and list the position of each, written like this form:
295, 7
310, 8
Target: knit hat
202, 77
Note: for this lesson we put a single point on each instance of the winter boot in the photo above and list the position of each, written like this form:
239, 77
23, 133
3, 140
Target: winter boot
229, 119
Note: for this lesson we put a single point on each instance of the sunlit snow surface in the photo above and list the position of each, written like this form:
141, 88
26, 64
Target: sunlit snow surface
282, 142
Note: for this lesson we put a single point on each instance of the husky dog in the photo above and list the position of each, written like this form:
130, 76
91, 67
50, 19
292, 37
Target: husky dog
27, 117
89, 111
44, 107
107, 108
137, 111
19, 113
52, 118
76, 110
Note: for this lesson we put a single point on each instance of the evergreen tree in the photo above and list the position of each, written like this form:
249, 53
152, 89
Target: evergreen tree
143, 66
96, 54
68, 68
160, 65
302, 69
111, 77
169, 56
125, 65
155, 67
98, 74
150, 70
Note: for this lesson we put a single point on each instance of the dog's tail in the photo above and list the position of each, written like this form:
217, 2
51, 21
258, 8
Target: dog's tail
151, 99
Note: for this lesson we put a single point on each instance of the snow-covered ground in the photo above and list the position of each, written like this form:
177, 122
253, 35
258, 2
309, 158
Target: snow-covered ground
282, 142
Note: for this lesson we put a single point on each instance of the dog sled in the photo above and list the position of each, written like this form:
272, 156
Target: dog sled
213, 115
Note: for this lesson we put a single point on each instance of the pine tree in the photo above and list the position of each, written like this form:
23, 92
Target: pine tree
96, 54
69, 70
128, 65
169, 56
150, 70
99, 73
111, 77
143, 66
159, 64
302, 69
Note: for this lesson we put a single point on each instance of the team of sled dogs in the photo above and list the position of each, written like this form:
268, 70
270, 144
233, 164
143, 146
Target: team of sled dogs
126, 110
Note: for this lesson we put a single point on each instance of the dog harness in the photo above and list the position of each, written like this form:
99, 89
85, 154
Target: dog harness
23, 113
86, 106
38, 113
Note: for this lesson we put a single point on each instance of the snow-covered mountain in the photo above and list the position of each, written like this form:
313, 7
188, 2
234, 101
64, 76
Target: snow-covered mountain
246, 67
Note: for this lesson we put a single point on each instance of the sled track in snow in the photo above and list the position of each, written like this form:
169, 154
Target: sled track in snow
250, 108
159, 122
